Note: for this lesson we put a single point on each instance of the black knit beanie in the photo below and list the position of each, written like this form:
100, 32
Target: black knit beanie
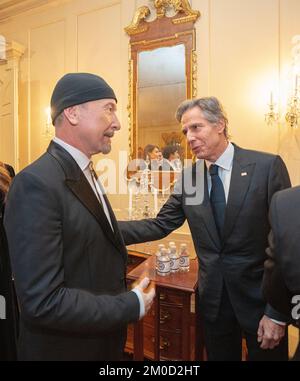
76, 88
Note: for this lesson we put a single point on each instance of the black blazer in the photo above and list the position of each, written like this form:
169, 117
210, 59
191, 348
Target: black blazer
238, 258
282, 268
69, 265
9, 325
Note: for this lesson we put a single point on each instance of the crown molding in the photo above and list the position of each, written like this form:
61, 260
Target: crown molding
11, 8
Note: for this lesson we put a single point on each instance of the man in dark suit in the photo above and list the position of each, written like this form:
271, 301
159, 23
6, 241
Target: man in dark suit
229, 225
68, 256
281, 285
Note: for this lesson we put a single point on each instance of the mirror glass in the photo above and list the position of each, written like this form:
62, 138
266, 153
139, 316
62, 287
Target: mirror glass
161, 87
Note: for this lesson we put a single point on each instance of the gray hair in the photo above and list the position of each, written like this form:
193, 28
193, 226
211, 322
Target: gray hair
211, 108
59, 119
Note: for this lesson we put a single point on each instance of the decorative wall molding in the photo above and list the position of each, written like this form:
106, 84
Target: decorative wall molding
9, 97
11, 8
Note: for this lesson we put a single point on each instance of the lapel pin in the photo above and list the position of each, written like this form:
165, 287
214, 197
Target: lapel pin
244, 174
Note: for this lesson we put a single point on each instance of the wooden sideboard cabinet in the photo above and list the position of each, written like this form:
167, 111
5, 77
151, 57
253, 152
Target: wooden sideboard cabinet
169, 330
135, 259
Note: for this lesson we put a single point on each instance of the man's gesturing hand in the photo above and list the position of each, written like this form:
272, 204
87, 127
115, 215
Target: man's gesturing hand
147, 289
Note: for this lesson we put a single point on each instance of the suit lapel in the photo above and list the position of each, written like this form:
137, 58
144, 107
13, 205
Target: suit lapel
113, 220
80, 187
115, 225
242, 171
111, 213
83, 191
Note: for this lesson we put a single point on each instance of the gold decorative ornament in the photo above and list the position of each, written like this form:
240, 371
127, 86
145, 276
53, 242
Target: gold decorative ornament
194, 74
180, 6
140, 14
161, 6
129, 108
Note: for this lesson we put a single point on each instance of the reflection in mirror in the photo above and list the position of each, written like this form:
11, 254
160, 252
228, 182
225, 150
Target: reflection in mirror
161, 88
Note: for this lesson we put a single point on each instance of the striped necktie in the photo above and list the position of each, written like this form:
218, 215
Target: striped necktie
95, 179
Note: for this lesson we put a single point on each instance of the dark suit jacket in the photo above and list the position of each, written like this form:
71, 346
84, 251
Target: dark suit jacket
282, 268
8, 326
69, 266
238, 258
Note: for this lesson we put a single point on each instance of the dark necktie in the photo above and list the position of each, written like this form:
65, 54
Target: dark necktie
94, 179
106, 207
217, 198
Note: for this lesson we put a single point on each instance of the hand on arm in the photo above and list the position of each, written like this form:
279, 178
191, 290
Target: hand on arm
269, 333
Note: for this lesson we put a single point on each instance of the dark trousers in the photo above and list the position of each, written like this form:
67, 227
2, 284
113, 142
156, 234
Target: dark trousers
223, 339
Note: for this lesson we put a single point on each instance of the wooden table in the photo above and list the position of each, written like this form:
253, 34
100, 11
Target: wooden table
172, 314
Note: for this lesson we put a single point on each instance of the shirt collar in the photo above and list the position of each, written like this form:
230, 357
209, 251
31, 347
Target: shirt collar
226, 159
81, 159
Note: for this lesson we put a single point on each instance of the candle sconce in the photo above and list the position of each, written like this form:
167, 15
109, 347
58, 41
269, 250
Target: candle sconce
148, 191
293, 114
272, 117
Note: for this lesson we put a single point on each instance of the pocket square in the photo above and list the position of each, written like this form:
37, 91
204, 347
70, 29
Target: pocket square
244, 174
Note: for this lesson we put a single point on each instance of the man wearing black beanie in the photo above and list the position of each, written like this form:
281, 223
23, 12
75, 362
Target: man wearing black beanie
68, 256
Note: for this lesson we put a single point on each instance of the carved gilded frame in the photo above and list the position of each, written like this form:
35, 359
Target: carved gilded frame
162, 32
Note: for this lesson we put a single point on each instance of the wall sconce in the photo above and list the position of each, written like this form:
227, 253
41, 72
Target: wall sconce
272, 116
293, 114
48, 132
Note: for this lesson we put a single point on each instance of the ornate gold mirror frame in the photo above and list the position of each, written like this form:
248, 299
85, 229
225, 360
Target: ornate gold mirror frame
164, 31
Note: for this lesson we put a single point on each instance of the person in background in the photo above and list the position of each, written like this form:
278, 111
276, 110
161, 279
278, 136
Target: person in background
281, 285
151, 152
140, 153
160, 157
229, 227
171, 154
8, 303
151, 157
162, 164
68, 256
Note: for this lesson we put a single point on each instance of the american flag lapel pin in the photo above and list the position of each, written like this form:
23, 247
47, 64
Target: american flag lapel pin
244, 174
